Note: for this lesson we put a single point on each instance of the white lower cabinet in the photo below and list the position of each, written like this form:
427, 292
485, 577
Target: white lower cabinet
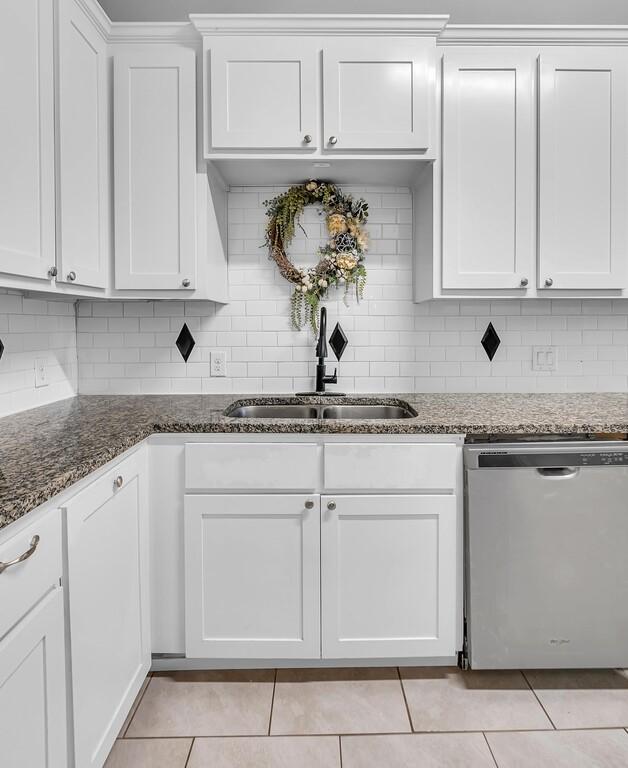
108, 605
388, 576
252, 586
32, 689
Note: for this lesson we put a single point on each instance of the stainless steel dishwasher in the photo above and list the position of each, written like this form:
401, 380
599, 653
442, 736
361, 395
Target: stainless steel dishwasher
546, 540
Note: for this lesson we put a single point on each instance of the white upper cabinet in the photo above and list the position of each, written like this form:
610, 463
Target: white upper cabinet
378, 93
82, 214
583, 165
27, 185
155, 167
264, 93
488, 169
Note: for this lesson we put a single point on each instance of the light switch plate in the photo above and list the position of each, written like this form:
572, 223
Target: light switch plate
543, 358
41, 372
217, 363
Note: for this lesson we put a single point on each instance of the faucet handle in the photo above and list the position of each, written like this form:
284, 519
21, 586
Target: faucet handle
333, 379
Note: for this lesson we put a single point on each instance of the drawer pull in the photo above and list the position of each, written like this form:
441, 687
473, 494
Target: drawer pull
23, 556
119, 481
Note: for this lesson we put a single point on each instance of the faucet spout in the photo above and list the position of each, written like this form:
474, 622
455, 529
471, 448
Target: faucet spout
321, 346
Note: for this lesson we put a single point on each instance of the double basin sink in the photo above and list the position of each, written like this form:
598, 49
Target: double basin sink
308, 411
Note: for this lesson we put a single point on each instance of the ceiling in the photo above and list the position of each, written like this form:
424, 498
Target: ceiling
460, 11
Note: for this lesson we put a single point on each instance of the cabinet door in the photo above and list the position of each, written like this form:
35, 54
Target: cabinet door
155, 168
388, 567
264, 93
82, 136
583, 227
108, 603
27, 208
489, 169
32, 689
252, 576
378, 93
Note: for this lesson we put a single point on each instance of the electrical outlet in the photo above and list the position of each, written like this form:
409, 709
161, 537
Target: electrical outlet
218, 364
543, 358
41, 372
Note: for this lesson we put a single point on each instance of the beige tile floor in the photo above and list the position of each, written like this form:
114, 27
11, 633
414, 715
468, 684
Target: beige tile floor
377, 718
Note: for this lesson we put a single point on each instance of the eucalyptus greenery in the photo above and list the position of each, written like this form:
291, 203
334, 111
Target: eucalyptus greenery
341, 258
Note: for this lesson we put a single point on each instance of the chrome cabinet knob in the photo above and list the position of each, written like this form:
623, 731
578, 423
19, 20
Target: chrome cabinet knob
53, 272
118, 482
72, 276
186, 282
307, 138
331, 505
309, 504
333, 140
524, 282
549, 282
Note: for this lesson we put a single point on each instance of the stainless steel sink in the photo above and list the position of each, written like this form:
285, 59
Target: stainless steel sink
299, 411
274, 412
366, 411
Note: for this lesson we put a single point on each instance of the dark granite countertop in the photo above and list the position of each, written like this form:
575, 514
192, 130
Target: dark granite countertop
47, 449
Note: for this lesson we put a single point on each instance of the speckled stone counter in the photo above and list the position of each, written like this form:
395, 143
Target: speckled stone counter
45, 450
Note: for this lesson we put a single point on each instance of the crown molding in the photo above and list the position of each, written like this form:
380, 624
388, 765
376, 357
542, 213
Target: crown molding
139, 32
559, 34
96, 14
302, 24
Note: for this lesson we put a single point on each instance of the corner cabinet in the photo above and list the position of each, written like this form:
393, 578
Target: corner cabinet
108, 604
82, 130
583, 168
154, 113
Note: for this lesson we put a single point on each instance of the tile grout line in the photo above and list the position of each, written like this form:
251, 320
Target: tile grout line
405, 700
489, 749
272, 703
137, 706
539, 700
187, 759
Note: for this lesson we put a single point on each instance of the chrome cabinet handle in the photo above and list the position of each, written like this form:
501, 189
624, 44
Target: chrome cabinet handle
309, 504
118, 482
53, 272
331, 505
333, 140
307, 138
186, 282
549, 282
524, 282
72, 276
23, 556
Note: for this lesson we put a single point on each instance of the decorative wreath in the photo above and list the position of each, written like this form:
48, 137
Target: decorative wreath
341, 259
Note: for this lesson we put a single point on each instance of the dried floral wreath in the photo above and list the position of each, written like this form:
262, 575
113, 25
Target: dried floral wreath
342, 257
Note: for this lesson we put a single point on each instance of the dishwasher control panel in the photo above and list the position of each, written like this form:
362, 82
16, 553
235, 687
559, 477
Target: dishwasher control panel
495, 459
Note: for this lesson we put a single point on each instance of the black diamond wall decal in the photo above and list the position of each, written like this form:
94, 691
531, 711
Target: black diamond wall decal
338, 341
1, 347
185, 342
490, 341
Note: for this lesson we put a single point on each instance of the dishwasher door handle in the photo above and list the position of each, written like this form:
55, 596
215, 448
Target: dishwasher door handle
558, 473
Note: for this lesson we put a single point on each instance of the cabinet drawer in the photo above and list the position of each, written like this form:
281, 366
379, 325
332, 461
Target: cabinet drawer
251, 466
390, 466
23, 584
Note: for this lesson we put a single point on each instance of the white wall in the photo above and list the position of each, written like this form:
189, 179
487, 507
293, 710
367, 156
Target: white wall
460, 11
30, 329
394, 344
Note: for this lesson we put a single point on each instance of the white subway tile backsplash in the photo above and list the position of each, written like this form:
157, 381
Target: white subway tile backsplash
394, 344
33, 329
